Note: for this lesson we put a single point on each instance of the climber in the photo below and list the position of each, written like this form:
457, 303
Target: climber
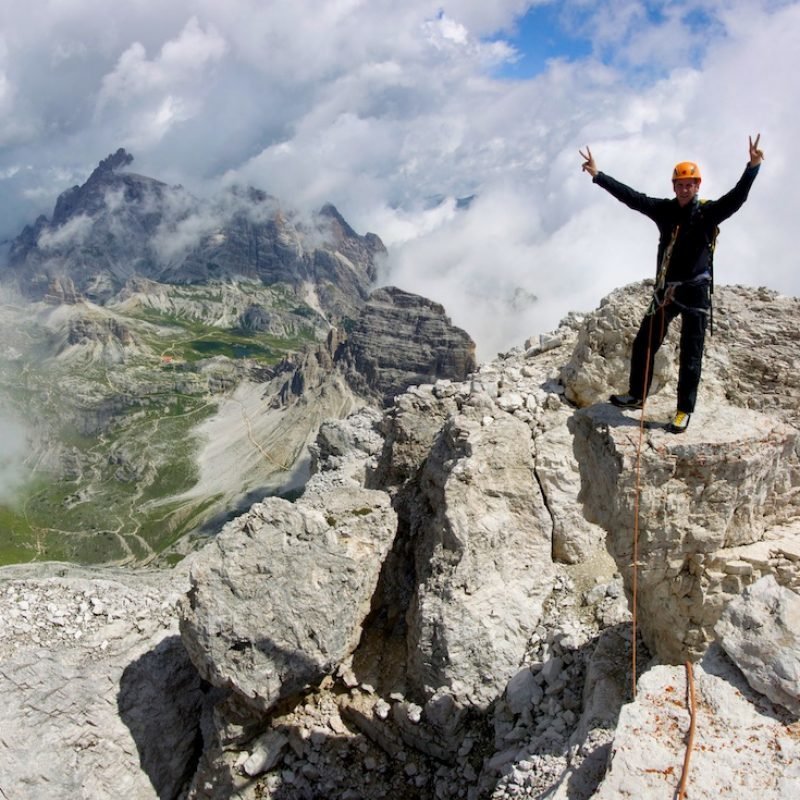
687, 228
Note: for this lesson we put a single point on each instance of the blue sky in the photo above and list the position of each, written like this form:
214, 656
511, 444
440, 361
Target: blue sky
378, 106
540, 35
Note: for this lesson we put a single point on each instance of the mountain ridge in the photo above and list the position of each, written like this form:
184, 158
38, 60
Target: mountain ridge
119, 225
163, 319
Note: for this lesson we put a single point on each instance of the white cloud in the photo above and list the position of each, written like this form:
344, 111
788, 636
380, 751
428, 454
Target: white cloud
162, 92
12, 455
71, 233
392, 110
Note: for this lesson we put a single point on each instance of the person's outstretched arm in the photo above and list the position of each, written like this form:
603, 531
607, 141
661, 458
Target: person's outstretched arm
732, 201
630, 197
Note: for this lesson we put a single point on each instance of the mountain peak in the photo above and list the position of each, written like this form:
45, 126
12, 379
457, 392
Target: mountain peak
113, 162
119, 225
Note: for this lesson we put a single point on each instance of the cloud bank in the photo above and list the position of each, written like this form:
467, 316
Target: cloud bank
12, 455
393, 111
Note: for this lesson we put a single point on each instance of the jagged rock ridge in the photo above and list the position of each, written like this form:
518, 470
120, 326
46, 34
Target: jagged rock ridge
119, 226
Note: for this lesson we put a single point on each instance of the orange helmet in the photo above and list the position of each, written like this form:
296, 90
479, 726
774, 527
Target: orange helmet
686, 170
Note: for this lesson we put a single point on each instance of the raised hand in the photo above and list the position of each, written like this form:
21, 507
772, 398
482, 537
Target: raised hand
756, 155
588, 162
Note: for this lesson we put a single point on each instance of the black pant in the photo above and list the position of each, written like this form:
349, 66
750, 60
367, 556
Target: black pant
692, 303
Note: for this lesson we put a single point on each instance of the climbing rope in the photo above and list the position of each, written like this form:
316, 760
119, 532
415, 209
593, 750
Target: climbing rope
657, 307
637, 492
690, 739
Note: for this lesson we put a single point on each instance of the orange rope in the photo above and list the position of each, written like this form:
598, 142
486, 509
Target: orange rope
690, 739
637, 491
635, 565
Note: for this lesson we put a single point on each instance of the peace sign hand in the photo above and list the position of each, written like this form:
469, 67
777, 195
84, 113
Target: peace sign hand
756, 155
588, 162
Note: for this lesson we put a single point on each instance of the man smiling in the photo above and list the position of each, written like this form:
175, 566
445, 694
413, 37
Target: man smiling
687, 228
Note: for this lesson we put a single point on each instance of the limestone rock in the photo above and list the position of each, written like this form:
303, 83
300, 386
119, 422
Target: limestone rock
558, 475
742, 747
704, 498
482, 558
247, 623
347, 450
410, 427
98, 697
760, 630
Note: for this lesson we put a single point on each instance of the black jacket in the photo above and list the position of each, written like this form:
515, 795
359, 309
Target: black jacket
696, 222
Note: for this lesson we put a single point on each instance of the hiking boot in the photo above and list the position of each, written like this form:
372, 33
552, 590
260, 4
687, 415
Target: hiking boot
680, 423
625, 401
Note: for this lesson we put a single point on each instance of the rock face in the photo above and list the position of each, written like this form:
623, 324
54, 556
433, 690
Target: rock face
446, 611
717, 507
401, 339
120, 226
759, 631
98, 697
477, 535
396, 341
246, 622
712, 511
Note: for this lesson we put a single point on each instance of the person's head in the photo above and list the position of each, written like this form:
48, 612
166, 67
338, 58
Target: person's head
686, 181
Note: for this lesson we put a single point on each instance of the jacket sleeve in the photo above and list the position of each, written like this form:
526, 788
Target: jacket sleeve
633, 199
732, 201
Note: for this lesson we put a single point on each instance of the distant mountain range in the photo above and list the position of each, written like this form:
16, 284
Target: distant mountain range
120, 225
168, 359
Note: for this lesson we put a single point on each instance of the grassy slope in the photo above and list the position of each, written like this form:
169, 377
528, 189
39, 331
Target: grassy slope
104, 495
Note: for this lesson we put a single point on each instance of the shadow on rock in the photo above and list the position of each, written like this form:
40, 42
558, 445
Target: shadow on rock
160, 700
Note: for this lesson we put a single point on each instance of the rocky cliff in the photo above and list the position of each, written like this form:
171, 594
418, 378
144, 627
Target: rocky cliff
400, 339
446, 611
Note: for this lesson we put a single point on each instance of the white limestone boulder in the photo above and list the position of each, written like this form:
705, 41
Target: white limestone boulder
760, 631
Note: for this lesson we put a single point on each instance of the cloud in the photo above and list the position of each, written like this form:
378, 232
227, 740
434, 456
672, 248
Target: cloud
393, 110
188, 220
160, 93
72, 233
12, 454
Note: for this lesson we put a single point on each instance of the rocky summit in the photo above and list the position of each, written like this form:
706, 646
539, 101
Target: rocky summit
494, 587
